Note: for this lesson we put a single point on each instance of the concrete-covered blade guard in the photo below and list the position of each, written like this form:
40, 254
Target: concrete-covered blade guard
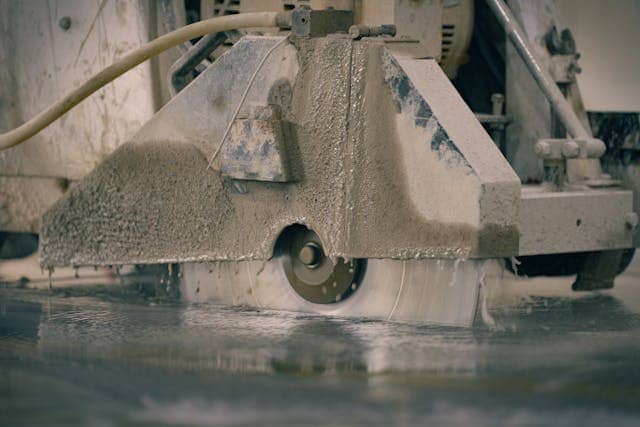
384, 160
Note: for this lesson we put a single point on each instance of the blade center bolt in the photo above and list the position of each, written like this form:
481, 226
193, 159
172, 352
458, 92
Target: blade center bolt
310, 254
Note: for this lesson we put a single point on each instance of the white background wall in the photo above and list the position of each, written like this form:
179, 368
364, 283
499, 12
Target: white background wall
607, 34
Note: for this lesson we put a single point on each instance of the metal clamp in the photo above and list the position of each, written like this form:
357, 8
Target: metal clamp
318, 23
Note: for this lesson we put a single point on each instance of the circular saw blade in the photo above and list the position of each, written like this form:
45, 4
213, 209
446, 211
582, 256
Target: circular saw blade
429, 290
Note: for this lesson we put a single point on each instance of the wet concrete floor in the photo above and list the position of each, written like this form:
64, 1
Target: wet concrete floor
110, 356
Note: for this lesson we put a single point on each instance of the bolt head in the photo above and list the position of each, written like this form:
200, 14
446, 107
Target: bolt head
310, 254
65, 23
497, 97
570, 149
542, 149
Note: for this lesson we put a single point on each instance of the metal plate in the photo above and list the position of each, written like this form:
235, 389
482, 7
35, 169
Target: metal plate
573, 221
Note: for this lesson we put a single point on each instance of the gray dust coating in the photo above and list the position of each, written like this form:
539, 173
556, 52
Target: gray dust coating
379, 177
154, 200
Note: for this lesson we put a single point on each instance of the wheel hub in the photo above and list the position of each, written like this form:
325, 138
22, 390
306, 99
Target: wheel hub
313, 275
311, 254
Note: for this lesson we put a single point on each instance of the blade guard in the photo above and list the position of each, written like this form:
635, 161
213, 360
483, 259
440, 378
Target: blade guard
383, 159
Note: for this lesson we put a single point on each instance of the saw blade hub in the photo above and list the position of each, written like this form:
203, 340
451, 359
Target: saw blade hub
313, 275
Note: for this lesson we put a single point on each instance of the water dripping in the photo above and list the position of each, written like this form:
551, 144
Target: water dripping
50, 269
454, 275
514, 264
169, 278
484, 311
119, 276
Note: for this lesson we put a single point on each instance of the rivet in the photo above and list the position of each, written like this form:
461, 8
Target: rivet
65, 23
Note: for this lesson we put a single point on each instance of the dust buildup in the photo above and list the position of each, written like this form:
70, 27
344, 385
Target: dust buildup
153, 202
384, 221
157, 202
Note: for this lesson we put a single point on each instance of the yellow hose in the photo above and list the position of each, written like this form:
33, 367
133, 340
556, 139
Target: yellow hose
139, 55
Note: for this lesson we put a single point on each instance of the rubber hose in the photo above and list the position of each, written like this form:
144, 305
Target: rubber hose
130, 60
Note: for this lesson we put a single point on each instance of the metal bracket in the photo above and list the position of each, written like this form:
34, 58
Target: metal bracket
319, 23
254, 149
557, 154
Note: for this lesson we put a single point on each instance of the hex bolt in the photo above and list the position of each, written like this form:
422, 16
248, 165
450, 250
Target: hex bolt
542, 149
631, 220
570, 149
310, 254
65, 23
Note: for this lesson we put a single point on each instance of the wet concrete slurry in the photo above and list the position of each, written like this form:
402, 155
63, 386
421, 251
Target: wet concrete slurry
112, 357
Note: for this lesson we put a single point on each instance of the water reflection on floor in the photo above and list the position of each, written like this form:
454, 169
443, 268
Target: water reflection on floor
104, 358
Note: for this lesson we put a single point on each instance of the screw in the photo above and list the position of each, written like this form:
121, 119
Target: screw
65, 23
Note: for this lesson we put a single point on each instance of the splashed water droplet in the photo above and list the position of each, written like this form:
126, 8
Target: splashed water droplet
514, 264
50, 278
